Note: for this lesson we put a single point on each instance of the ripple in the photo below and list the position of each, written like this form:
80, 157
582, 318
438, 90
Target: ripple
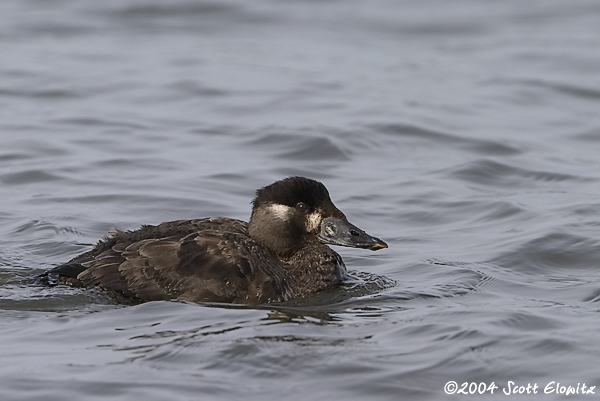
7, 157
175, 9
300, 147
38, 298
203, 14
593, 296
44, 94
588, 136
365, 284
438, 212
452, 278
528, 322
581, 92
494, 173
501, 210
479, 146
550, 346
29, 177
556, 251
99, 122
194, 89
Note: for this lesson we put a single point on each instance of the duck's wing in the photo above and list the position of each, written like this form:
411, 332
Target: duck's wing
204, 266
203, 259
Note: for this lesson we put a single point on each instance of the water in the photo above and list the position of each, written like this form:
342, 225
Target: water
465, 134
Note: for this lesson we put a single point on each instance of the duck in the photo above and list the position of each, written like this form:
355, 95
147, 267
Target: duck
280, 254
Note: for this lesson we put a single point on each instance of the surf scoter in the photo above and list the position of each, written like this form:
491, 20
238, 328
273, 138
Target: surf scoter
279, 255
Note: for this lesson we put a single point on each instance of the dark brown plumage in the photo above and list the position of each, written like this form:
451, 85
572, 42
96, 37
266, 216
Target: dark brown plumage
278, 256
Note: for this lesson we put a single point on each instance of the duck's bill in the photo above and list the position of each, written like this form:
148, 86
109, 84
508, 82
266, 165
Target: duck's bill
340, 232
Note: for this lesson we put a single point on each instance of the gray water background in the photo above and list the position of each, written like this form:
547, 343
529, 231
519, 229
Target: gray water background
465, 133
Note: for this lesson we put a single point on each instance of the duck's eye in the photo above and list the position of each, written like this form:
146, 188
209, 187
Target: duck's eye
301, 206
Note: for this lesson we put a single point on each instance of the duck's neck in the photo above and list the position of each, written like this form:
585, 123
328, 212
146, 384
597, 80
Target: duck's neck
275, 234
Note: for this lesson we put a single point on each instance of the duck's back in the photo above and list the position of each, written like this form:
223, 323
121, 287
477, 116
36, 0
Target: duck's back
196, 260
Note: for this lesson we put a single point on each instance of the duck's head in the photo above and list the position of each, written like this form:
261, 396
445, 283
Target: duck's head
296, 211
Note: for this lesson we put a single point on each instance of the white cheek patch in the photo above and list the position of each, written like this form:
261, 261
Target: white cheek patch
313, 221
282, 212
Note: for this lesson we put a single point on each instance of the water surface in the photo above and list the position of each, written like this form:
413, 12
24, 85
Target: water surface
465, 134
